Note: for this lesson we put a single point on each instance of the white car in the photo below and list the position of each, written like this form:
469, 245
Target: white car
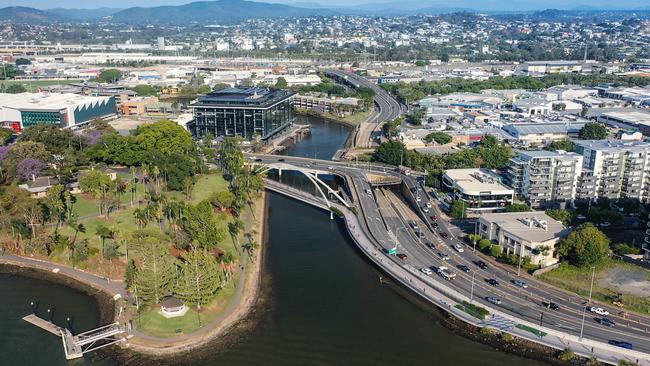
458, 248
418, 198
429, 204
425, 209
426, 271
494, 300
599, 311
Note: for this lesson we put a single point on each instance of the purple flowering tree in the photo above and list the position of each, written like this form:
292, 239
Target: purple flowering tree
30, 167
4, 150
92, 136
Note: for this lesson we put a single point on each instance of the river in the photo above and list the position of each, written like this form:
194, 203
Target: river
326, 306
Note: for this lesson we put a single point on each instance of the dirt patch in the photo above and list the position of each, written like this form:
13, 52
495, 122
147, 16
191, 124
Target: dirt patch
627, 281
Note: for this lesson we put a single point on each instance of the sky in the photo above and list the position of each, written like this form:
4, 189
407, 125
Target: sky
476, 4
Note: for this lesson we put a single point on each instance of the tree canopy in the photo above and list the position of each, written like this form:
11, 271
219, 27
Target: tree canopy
593, 131
144, 90
439, 137
585, 246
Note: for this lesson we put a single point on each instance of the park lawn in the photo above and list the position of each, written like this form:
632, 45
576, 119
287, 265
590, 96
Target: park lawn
206, 185
357, 118
122, 221
578, 280
154, 324
85, 206
33, 85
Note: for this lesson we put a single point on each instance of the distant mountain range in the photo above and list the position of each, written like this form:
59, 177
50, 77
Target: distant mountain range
232, 11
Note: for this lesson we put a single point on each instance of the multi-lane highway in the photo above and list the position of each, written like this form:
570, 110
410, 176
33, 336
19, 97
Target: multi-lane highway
388, 218
387, 107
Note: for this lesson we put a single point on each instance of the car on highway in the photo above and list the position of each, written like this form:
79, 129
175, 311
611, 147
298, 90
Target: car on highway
418, 198
445, 273
434, 225
599, 311
402, 256
427, 271
252, 158
494, 300
425, 209
281, 159
551, 305
429, 204
413, 225
368, 191
330, 168
463, 268
430, 245
444, 235
443, 256
605, 224
606, 322
434, 218
458, 248
493, 282
419, 234
481, 264
520, 283
621, 344
258, 159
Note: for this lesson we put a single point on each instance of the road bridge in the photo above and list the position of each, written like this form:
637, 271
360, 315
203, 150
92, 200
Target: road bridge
379, 220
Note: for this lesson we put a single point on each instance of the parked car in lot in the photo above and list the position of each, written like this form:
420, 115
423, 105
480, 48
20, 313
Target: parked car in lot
621, 344
481, 264
493, 282
606, 322
520, 283
443, 256
444, 235
599, 311
402, 256
494, 300
458, 248
463, 268
427, 271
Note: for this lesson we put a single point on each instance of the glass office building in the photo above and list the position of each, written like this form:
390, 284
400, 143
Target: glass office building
244, 112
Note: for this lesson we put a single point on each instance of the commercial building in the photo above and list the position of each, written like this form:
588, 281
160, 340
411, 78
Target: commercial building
543, 132
553, 67
321, 104
525, 234
615, 169
545, 178
19, 111
628, 119
480, 189
246, 112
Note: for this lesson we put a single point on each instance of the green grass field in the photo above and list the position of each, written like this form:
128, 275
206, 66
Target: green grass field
578, 280
33, 85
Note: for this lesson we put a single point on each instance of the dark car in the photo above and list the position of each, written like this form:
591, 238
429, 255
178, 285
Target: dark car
431, 245
444, 235
481, 264
402, 256
258, 159
463, 268
281, 159
493, 282
434, 225
621, 344
606, 322
551, 305
419, 234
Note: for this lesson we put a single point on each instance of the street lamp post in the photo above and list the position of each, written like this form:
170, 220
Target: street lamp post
591, 288
582, 325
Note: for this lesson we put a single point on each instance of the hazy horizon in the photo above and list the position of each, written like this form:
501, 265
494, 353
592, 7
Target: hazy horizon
497, 5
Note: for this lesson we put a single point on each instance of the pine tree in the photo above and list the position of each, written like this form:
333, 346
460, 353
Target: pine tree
155, 277
130, 274
200, 278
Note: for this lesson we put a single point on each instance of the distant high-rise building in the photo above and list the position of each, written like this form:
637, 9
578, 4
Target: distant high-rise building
161, 43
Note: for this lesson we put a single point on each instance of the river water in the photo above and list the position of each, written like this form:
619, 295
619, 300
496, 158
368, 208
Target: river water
326, 306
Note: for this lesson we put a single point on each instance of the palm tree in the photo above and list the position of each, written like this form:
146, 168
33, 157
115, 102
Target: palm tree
234, 228
104, 233
76, 226
133, 184
250, 248
156, 174
141, 217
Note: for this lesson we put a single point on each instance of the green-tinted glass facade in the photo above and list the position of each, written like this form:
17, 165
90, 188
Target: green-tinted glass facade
31, 118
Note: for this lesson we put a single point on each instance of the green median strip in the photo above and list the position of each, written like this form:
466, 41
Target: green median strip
473, 310
536, 332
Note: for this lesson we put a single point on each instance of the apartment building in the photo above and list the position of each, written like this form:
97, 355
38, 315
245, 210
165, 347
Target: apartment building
480, 189
545, 178
615, 168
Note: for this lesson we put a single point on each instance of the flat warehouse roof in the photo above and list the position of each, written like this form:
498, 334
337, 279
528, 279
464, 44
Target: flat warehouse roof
534, 226
46, 101
477, 181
